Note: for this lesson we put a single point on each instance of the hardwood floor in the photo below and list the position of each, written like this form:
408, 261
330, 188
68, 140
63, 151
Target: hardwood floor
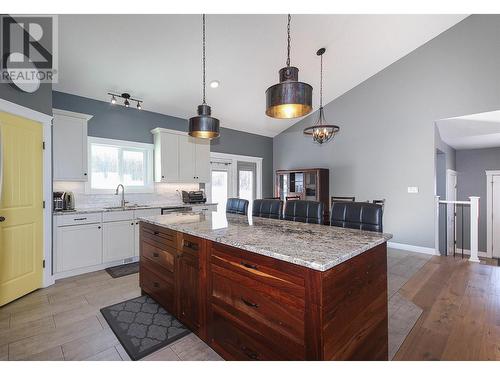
460, 318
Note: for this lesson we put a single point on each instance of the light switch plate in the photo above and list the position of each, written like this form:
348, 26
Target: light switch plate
413, 189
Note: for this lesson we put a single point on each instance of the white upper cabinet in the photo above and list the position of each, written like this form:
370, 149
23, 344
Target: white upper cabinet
202, 160
70, 145
187, 157
180, 158
166, 157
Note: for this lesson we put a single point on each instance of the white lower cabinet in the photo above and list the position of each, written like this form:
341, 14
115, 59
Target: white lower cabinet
137, 237
118, 240
78, 246
86, 242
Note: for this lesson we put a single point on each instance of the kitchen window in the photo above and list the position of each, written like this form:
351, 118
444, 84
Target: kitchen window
113, 162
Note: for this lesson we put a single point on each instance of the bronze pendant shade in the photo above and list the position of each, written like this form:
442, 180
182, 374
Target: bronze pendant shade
204, 125
289, 98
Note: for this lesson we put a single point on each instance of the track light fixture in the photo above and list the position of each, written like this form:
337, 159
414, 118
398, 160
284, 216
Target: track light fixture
127, 98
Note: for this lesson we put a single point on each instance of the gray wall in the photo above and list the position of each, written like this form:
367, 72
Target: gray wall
471, 181
40, 101
445, 159
129, 124
386, 142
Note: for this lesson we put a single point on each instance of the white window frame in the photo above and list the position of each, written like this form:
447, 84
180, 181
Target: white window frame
148, 147
233, 159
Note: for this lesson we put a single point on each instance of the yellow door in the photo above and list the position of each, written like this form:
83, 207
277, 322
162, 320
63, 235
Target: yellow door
21, 212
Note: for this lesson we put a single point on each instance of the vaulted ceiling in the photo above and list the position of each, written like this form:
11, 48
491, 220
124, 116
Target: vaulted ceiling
158, 58
479, 130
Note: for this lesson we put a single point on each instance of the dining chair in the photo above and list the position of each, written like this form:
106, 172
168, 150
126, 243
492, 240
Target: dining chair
342, 199
237, 206
304, 211
357, 215
269, 208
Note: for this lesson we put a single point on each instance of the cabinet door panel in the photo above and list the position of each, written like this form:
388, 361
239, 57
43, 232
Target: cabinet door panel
137, 239
187, 147
118, 240
70, 148
169, 158
78, 246
202, 160
189, 291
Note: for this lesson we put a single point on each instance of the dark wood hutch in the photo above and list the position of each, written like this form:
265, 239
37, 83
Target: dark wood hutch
306, 184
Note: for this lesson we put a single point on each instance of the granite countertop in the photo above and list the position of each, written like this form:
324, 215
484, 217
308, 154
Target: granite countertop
131, 207
315, 246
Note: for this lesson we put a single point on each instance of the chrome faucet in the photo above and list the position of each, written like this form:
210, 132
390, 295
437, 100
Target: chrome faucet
123, 194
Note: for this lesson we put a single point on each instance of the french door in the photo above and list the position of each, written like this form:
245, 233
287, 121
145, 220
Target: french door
221, 183
233, 178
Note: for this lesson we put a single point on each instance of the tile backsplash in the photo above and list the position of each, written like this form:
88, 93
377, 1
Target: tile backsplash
164, 194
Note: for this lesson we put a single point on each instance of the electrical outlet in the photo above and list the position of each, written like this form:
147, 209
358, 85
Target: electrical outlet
413, 189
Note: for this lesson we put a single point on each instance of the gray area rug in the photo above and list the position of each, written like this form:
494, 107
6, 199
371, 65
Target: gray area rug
142, 326
123, 270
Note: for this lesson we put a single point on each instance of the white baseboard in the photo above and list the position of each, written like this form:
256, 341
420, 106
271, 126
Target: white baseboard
415, 249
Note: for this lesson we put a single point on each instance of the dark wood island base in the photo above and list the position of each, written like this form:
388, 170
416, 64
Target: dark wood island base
252, 307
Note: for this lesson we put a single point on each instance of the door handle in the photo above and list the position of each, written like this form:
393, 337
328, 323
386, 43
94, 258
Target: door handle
2, 218
248, 265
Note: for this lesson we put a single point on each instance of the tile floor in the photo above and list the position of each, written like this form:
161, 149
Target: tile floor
63, 322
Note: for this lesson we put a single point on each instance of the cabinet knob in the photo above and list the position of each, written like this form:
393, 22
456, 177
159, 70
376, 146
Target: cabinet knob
131, 223
99, 227
162, 176
2, 218
85, 174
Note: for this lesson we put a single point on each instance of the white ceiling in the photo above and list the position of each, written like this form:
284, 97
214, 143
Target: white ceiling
158, 58
480, 130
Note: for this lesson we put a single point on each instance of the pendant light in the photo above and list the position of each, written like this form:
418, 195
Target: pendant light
321, 131
289, 98
203, 125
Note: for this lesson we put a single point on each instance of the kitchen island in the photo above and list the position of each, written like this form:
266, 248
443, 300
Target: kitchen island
265, 289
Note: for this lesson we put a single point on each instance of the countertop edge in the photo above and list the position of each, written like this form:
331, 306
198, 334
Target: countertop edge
286, 258
153, 206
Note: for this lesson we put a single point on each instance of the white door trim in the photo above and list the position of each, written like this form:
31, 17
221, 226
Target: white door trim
233, 158
449, 211
489, 212
46, 121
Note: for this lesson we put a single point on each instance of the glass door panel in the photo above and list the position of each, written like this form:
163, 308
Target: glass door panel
247, 182
220, 188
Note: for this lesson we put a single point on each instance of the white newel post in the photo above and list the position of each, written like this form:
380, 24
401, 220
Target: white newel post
436, 226
474, 225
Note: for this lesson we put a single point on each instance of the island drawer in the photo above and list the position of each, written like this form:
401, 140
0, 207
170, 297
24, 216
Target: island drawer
237, 343
156, 282
164, 258
278, 274
158, 236
280, 315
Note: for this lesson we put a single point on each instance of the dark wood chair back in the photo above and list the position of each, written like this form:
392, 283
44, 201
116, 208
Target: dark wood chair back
342, 199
